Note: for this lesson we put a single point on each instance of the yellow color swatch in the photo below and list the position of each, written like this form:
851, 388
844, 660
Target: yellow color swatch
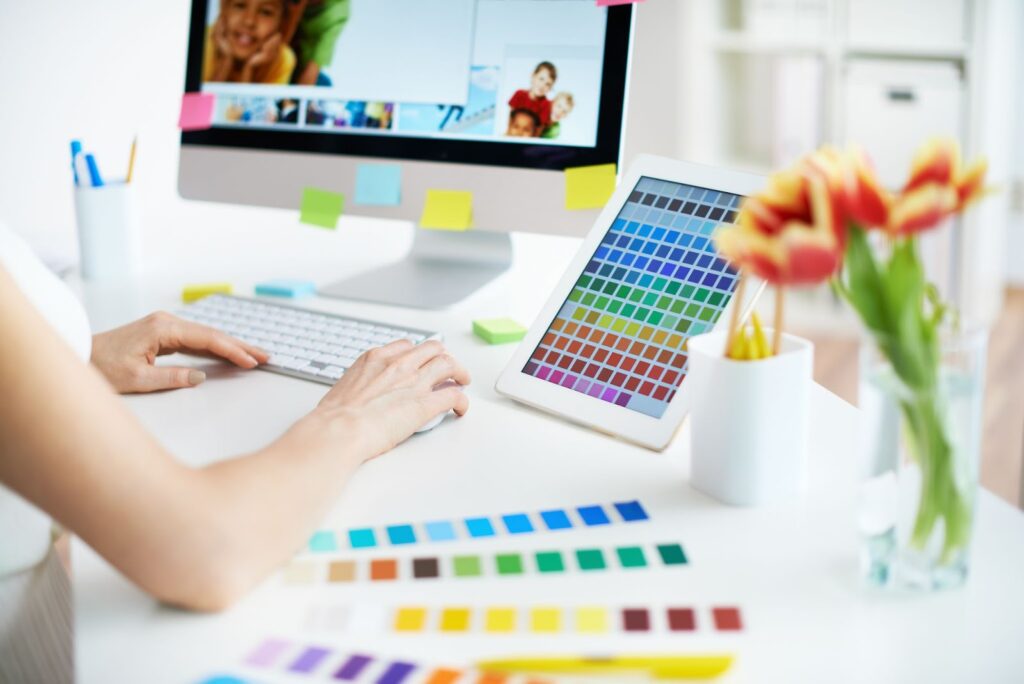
410, 619
674, 341
545, 620
455, 620
447, 210
500, 620
632, 329
605, 321
192, 293
659, 336
619, 325
589, 187
646, 332
592, 620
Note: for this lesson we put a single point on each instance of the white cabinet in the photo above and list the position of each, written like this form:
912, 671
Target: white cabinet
909, 24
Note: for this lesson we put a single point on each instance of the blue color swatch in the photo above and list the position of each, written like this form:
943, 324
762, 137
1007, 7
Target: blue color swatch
593, 515
631, 511
362, 539
517, 523
401, 534
323, 540
479, 527
379, 184
556, 519
441, 530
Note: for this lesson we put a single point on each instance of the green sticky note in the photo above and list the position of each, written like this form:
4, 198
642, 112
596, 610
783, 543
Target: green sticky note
550, 561
509, 564
321, 207
447, 210
466, 566
631, 557
590, 559
672, 554
498, 330
589, 187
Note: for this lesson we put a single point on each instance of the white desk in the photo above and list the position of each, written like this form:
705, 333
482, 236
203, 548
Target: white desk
792, 569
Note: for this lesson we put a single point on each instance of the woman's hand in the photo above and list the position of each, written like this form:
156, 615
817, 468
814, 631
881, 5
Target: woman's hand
388, 393
126, 355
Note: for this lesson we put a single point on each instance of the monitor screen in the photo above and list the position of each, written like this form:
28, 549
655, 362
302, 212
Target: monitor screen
530, 83
654, 281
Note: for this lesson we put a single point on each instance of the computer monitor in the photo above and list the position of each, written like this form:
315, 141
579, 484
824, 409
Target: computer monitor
493, 97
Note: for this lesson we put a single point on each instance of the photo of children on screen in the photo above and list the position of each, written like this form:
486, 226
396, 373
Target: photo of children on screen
274, 41
534, 100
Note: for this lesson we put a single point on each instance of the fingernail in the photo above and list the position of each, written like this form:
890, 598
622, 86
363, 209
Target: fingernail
195, 377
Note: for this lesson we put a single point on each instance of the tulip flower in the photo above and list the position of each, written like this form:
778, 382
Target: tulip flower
864, 199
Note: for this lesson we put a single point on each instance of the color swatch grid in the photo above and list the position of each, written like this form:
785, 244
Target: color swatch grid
654, 281
481, 527
297, 661
559, 620
503, 564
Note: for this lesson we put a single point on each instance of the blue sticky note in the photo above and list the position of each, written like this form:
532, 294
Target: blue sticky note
479, 527
379, 184
224, 679
441, 530
631, 511
362, 539
556, 519
401, 534
286, 288
323, 540
593, 515
517, 523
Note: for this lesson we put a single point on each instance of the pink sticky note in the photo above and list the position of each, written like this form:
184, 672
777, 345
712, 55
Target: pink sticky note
196, 111
608, 3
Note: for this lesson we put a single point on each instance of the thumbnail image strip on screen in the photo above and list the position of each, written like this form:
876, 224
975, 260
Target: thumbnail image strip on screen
654, 281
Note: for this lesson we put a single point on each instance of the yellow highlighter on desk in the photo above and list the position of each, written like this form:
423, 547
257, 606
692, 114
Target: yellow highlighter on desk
656, 667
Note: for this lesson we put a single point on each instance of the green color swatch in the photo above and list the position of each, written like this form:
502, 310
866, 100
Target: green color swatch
509, 564
467, 566
631, 557
550, 561
672, 554
590, 559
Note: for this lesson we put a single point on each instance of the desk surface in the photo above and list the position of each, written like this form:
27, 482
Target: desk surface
792, 569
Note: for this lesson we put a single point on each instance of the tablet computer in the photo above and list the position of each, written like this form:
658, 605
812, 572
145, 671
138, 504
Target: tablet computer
608, 349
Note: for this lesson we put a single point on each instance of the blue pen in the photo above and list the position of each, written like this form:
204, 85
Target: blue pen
76, 149
94, 171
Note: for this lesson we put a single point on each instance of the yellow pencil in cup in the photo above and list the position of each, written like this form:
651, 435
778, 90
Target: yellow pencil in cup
131, 160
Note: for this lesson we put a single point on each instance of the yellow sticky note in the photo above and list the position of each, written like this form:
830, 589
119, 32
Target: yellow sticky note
589, 187
500, 620
545, 620
410, 619
455, 620
447, 210
592, 620
192, 293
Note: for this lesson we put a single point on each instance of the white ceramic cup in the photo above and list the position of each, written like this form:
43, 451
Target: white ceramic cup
108, 231
748, 421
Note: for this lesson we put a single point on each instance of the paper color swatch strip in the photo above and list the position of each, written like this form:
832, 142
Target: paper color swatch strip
479, 527
548, 562
595, 619
296, 661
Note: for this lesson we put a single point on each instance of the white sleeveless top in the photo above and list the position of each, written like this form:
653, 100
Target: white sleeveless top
24, 529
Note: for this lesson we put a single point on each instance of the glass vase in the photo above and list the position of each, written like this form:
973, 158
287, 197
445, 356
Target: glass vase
921, 452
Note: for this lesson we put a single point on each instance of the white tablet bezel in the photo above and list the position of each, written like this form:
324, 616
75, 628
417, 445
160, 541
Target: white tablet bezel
654, 433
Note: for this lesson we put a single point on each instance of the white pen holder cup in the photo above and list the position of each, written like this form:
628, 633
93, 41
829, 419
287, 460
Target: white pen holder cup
108, 231
749, 421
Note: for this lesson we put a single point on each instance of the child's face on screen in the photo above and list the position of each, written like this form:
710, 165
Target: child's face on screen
560, 108
541, 83
521, 125
250, 23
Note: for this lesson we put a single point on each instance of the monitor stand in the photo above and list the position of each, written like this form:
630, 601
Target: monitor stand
441, 269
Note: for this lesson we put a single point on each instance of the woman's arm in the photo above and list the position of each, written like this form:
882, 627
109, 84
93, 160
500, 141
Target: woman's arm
198, 538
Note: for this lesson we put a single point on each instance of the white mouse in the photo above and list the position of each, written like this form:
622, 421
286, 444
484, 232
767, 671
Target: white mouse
439, 418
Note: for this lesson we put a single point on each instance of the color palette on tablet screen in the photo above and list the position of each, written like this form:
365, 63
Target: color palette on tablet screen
481, 527
654, 281
591, 560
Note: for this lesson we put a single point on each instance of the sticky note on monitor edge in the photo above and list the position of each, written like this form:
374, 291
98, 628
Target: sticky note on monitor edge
589, 187
195, 292
196, 111
447, 210
379, 184
498, 330
321, 207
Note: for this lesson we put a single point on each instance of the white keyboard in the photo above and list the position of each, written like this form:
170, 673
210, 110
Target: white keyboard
301, 343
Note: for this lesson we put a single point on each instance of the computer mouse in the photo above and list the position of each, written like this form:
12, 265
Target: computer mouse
437, 420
